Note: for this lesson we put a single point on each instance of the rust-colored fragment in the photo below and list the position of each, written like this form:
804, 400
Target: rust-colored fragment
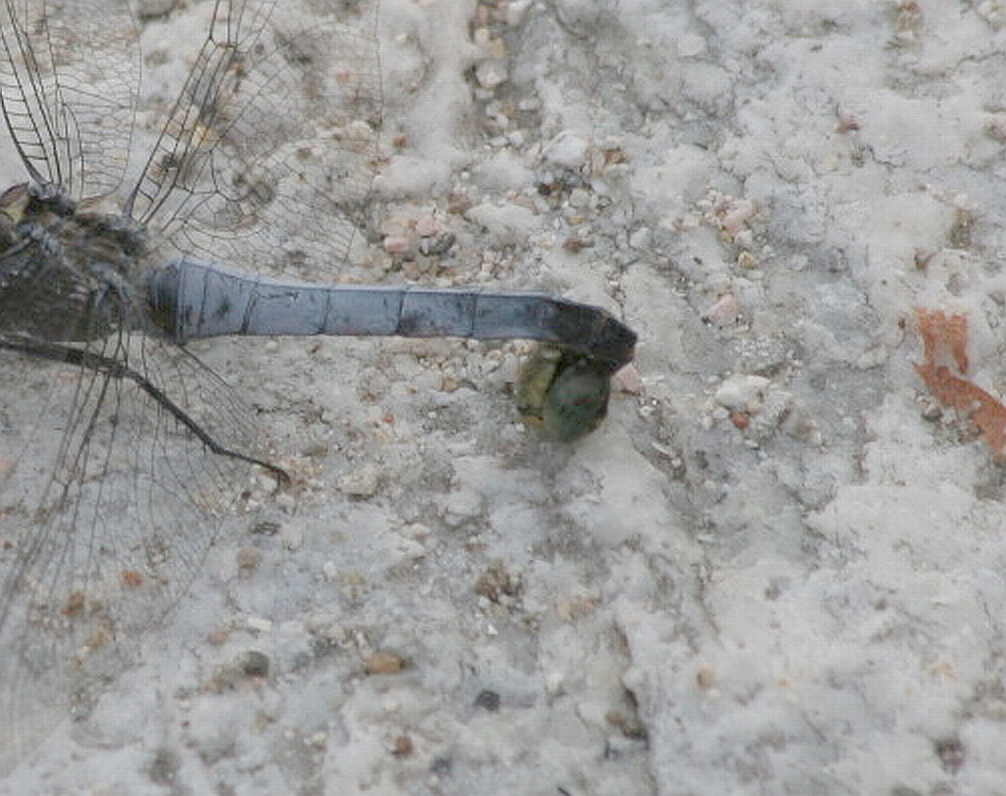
943, 335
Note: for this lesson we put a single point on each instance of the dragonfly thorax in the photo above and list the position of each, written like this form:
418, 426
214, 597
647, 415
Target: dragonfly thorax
63, 272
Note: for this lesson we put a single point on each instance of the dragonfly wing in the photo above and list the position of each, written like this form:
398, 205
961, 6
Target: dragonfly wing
105, 523
69, 75
247, 171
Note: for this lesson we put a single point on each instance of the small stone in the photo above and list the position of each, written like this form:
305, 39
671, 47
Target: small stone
258, 624
402, 746
497, 583
567, 150
360, 483
396, 244
427, 226
628, 380
254, 664
384, 663
640, 238
488, 700
724, 312
742, 393
416, 530
461, 506
746, 260
735, 216
691, 45
490, 74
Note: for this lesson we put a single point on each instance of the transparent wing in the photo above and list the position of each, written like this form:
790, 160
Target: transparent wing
108, 498
69, 74
246, 158
128, 508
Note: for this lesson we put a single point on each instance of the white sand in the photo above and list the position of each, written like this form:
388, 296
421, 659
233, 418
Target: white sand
810, 605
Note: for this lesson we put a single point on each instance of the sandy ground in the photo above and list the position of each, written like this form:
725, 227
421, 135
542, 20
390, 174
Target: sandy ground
776, 568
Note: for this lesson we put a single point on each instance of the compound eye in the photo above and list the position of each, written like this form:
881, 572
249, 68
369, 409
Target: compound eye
563, 396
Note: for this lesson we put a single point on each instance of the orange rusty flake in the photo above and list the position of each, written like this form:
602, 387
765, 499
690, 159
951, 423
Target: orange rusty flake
944, 334
985, 411
945, 341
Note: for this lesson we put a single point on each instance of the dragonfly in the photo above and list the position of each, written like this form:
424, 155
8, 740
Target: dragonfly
110, 262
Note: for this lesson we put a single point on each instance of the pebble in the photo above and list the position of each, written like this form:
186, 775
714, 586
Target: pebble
491, 74
427, 226
567, 150
384, 663
743, 393
396, 244
360, 483
724, 312
628, 380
